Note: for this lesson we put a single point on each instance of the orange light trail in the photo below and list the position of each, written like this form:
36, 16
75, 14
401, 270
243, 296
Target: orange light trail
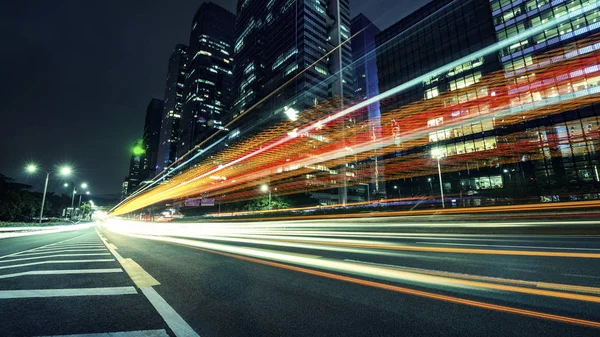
286, 155
408, 291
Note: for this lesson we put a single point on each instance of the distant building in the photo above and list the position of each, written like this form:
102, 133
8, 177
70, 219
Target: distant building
151, 137
367, 86
136, 172
144, 154
209, 77
173, 110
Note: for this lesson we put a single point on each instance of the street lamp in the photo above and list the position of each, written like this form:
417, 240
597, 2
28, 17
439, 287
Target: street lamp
265, 188
83, 186
430, 185
437, 154
32, 168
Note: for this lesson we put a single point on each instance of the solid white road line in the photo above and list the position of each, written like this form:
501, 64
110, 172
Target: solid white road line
35, 293
139, 333
63, 272
57, 255
56, 262
169, 315
504, 246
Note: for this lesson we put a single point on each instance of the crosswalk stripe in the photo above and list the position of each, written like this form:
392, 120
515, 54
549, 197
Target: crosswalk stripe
63, 272
139, 333
56, 262
63, 251
45, 257
37, 293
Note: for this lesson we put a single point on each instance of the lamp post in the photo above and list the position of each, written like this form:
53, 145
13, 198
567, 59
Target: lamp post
32, 168
83, 186
265, 188
430, 185
437, 154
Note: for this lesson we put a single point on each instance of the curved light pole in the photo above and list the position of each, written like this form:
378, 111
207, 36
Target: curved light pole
32, 168
437, 154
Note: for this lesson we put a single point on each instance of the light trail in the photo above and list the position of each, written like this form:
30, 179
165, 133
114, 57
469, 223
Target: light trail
175, 189
322, 266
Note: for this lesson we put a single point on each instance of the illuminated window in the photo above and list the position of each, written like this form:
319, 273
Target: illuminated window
431, 93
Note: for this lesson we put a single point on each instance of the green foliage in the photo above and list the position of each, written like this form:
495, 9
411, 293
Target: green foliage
18, 203
85, 209
263, 204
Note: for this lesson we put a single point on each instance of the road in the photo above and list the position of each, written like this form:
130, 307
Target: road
359, 277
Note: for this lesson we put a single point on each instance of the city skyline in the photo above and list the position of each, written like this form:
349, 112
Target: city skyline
121, 86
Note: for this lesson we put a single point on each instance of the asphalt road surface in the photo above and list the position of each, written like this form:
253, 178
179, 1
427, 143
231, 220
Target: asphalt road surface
363, 277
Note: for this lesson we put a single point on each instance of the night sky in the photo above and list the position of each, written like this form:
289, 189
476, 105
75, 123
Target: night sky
77, 77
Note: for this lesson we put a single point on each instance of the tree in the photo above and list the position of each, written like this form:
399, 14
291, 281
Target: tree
263, 204
85, 209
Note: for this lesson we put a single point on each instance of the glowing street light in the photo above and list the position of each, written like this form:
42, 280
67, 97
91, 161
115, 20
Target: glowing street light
32, 168
84, 185
265, 188
437, 154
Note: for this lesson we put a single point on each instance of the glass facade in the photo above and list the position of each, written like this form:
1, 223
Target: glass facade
435, 35
553, 153
367, 86
208, 80
279, 49
567, 155
174, 91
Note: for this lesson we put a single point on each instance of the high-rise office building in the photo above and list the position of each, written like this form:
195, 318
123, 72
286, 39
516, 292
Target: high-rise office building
367, 86
438, 33
209, 76
562, 146
289, 56
280, 53
568, 144
151, 137
174, 91
136, 173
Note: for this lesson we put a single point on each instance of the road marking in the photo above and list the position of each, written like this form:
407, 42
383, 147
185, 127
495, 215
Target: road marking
63, 272
139, 333
503, 246
138, 275
177, 324
28, 250
56, 261
57, 255
69, 246
63, 251
36, 293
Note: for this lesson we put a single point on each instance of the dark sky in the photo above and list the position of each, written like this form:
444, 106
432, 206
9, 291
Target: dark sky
77, 77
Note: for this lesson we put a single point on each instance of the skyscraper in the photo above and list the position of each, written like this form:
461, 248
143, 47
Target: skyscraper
174, 91
276, 40
569, 146
209, 75
151, 137
367, 86
436, 34
552, 156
